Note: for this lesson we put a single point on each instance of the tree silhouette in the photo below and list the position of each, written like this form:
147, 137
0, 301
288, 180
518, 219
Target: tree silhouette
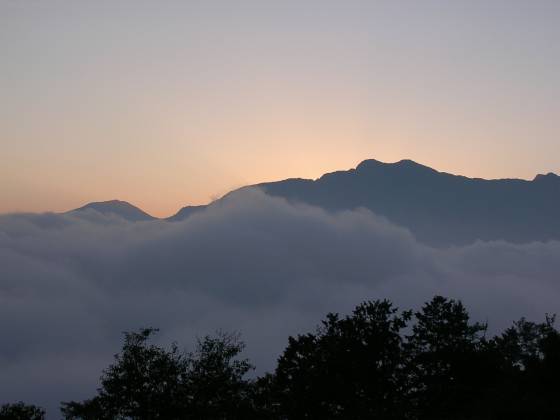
378, 362
145, 382
150, 382
445, 355
351, 368
214, 382
530, 355
21, 411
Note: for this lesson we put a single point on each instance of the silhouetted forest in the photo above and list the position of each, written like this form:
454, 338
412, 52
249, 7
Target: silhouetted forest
377, 363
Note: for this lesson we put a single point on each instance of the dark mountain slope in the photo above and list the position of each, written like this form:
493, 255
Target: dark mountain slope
185, 212
439, 208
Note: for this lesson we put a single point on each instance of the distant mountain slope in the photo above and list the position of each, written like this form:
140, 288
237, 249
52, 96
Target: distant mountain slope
439, 208
185, 212
121, 208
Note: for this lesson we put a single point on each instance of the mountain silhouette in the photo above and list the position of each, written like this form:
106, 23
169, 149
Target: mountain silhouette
185, 212
437, 207
120, 208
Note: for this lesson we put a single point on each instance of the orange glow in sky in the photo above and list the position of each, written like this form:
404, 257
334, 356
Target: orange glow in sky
165, 104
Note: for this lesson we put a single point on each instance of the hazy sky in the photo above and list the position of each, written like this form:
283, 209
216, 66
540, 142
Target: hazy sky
165, 103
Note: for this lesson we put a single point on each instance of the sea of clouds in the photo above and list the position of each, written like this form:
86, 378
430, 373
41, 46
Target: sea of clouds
71, 284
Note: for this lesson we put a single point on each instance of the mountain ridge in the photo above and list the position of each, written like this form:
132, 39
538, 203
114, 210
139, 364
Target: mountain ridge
439, 208
118, 207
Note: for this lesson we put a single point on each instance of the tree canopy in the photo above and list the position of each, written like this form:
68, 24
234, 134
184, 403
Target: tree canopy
150, 382
21, 411
378, 362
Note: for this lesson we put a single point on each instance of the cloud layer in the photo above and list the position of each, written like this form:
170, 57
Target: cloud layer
70, 284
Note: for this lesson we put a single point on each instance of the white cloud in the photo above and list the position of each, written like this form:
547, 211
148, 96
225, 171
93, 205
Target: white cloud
70, 284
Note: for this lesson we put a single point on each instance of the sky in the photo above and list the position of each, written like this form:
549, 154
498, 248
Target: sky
170, 103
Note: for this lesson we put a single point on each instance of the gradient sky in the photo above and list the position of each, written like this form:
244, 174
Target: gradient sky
168, 103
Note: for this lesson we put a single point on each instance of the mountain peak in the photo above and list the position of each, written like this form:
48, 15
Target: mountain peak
118, 207
406, 164
369, 163
438, 208
549, 177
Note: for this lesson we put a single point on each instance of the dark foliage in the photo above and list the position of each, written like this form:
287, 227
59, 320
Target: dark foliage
445, 358
363, 366
21, 411
215, 388
376, 363
150, 382
529, 384
350, 369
